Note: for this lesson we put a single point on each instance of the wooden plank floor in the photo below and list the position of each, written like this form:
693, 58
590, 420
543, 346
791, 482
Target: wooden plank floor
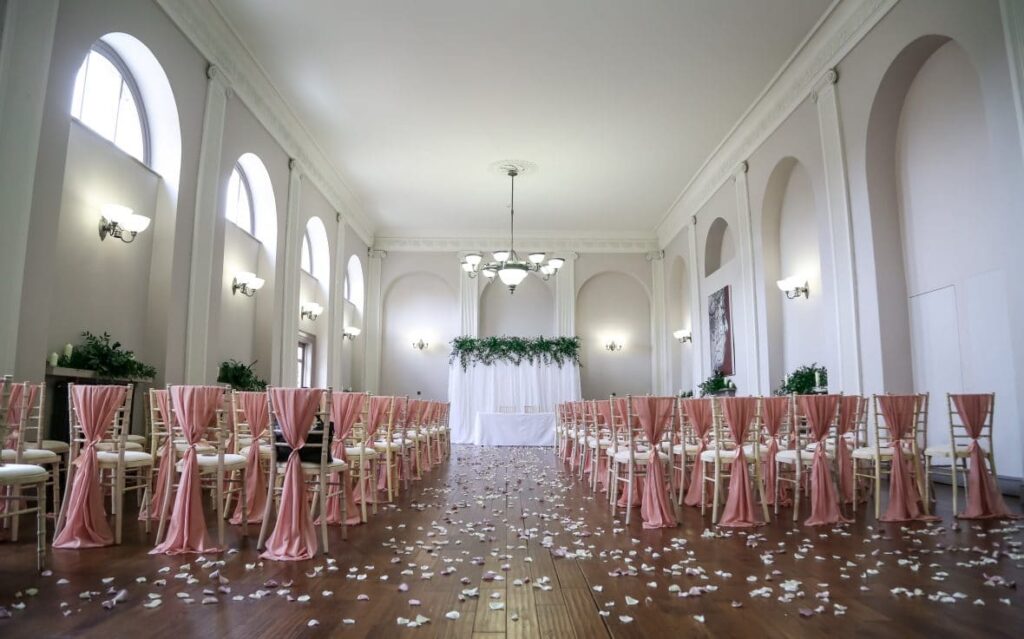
500, 522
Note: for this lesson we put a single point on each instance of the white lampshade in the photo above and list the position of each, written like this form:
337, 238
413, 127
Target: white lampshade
116, 212
556, 262
256, 283
537, 258
467, 267
547, 269
682, 334
474, 259
513, 274
790, 283
245, 277
134, 223
490, 273
500, 256
353, 330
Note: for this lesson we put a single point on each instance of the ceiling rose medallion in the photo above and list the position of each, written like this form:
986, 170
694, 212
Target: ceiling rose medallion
507, 265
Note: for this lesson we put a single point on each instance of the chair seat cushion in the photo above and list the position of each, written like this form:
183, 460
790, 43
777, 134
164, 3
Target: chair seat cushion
399, 444
870, 452
356, 451
640, 457
265, 451
691, 449
109, 445
54, 445
593, 442
12, 474
138, 439
945, 451
181, 447
31, 456
788, 456
232, 461
132, 458
333, 466
728, 455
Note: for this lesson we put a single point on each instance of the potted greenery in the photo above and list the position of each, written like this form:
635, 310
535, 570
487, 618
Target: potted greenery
106, 358
718, 385
240, 376
805, 380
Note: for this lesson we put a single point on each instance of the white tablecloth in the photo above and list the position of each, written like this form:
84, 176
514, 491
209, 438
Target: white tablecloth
514, 429
485, 389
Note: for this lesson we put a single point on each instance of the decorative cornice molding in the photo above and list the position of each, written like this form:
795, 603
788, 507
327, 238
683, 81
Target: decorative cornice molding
495, 242
835, 35
211, 34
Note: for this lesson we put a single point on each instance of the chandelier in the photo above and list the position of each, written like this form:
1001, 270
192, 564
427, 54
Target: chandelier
507, 265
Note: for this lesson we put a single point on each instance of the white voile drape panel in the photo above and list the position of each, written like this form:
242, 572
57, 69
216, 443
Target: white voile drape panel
516, 429
483, 389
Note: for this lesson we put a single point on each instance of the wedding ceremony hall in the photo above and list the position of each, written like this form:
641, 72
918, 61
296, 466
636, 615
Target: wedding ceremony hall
549, 318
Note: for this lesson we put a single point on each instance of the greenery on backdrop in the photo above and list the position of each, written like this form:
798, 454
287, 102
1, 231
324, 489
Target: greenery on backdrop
240, 376
717, 384
97, 353
803, 381
516, 350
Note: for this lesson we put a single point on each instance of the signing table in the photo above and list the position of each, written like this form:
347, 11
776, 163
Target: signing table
513, 429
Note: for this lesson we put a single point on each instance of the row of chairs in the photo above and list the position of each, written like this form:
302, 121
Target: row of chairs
389, 440
780, 444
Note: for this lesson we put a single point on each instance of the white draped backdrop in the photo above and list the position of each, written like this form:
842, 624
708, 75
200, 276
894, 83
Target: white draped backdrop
482, 388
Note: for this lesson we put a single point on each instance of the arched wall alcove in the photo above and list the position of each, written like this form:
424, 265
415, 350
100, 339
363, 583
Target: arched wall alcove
613, 305
315, 286
719, 246
530, 312
677, 298
418, 305
945, 322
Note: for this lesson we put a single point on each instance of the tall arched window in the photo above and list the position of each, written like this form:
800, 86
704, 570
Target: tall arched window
353, 289
306, 260
107, 100
239, 208
315, 253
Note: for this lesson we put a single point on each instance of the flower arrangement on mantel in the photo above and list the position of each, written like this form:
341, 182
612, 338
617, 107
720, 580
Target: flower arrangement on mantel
717, 385
805, 380
106, 358
515, 350
240, 376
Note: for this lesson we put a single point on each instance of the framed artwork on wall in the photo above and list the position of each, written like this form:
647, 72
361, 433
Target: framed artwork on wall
720, 330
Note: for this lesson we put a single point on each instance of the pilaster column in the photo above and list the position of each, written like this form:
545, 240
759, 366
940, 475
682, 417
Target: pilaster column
696, 305
286, 298
336, 306
1013, 30
752, 359
374, 324
469, 303
659, 334
844, 283
25, 46
565, 297
204, 225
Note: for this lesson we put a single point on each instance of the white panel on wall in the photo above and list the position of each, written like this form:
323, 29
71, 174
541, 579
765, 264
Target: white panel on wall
936, 352
529, 312
418, 306
238, 312
614, 306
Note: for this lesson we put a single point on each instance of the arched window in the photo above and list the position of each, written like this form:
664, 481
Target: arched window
315, 253
239, 208
353, 289
107, 100
306, 260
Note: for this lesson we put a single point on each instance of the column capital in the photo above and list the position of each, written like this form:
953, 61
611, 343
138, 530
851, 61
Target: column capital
741, 168
655, 256
294, 167
828, 80
376, 254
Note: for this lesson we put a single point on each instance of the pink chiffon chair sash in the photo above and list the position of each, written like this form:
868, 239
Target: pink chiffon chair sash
16, 401
820, 411
166, 467
904, 497
345, 410
655, 415
294, 537
773, 412
848, 408
86, 524
257, 415
196, 409
984, 501
700, 415
739, 511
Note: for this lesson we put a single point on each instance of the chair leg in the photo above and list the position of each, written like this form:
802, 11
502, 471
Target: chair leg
41, 524
243, 477
265, 524
15, 504
119, 489
717, 492
361, 484
147, 497
323, 509
220, 507
629, 491
878, 488
342, 479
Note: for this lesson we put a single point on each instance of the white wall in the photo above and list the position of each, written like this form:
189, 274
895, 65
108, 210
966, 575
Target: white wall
529, 312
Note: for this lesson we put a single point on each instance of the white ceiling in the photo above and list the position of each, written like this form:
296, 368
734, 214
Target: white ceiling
618, 102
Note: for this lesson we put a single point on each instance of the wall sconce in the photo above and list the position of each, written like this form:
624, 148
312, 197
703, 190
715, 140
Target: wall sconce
793, 287
311, 311
614, 346
421, 345
683, 335
121, 222
350, 332
246, 283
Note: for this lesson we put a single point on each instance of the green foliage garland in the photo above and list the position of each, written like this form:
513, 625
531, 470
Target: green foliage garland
801, 381
240, 376
716, 384
516, 350
109, 360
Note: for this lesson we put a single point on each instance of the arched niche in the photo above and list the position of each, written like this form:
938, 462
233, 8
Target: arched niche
530, 312
679, 318
417, 306
938, 233
791, 248
719, 247
613, 305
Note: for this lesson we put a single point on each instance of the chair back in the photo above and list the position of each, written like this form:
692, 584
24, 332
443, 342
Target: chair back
959, 434
115, 433
316, 448
913, 439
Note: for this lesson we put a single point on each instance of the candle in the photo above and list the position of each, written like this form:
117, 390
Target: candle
68, 349
817, 379
53, 359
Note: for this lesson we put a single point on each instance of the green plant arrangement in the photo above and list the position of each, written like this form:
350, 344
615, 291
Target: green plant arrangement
240, 376
804, 381
717, 384
97, 353
516, 350
685, 394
